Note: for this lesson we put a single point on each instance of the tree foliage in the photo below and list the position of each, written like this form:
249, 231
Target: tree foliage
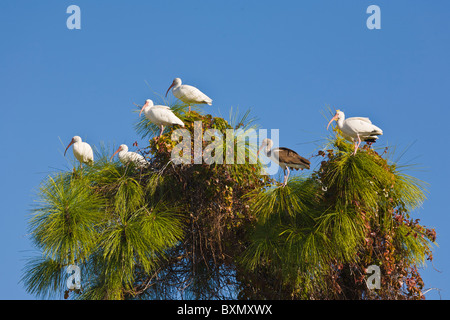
215, 231
320, 233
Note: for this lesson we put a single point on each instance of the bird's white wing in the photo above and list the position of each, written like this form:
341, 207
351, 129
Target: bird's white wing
166, 117
161, 107
136, 158
83, 152
89, 153
192, 94
133, 157
365, 119
362, 127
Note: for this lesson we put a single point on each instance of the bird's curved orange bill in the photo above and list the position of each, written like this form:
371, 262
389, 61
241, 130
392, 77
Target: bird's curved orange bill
332, 119
257, 154
143, 107
117, 151
71, 142
173, 83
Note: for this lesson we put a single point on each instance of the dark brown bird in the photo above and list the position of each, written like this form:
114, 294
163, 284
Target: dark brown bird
284, 157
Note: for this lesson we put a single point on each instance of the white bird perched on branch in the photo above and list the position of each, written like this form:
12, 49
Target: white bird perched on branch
188, 94
160, 115
356, 129
127, 157
81, 150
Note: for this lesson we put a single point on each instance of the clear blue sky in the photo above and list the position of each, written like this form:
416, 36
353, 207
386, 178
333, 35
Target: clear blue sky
287, 60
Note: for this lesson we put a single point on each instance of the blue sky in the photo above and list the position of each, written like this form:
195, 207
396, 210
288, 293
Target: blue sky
286, 60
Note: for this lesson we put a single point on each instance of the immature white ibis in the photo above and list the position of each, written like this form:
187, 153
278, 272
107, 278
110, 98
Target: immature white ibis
160, 115
356, 129
284, 157
81, 150
188, 94
127, 157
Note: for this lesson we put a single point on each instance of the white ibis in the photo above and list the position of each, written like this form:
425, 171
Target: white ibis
284, 157
127, 157
188, 94
160, 115
356, 129
81, 150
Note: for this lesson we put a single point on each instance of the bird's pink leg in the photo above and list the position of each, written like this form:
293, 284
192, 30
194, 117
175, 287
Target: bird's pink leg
286, 176
161, 131
189, 108
357, 145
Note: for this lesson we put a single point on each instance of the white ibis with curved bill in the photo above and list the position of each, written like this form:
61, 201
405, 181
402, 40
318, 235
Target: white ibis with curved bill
127, 157
356, 129
284, 157
188, 94
81, 150
160, 115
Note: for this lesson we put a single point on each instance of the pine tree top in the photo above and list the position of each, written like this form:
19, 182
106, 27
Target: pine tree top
204, 231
